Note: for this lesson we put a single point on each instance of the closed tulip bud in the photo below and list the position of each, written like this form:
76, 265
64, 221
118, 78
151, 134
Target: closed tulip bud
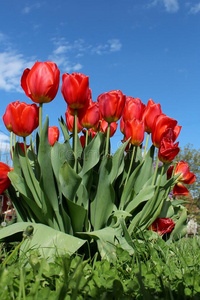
162, 225
150, 114
70, 122
89, 117
161, 129
168, 150
41, 82
185, 177
4, 180
75, 90
53, 135
134, 129
133, 108
111, 105
104, 127
24, 118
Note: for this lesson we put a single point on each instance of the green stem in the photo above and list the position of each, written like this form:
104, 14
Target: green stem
12, 254
156, 171
146, 144
107, 139
86, 138
131, 163
75, 134
40, 118
11, 144
160, 178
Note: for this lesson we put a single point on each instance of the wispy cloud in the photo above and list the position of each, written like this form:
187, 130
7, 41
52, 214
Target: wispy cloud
28, 8
171, 6
68, 54
195, 9
12, 66
4, 143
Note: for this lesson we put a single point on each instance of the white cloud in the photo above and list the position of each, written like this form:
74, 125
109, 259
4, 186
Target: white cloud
4, 143
27, 9
12, 67
115, 45
195, 9
171, 6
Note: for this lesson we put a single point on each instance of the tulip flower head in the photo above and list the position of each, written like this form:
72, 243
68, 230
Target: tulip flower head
89, 116
162, 225
4, 180
111, 105
23, 118
133, 108
185, 177
167, 150
41, 82
75, 90
134, 129
163, 127
53, 135
151, 112
104, 127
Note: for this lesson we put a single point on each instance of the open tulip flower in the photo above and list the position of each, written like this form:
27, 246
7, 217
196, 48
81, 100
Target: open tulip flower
168, 150
23, 118
53, 135
4, 180
162, 225
111, 105
151, 112
75, 90
160, 129
41, 82
185, 177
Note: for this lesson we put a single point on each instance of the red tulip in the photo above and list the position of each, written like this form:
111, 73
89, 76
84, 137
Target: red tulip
150, 114
185, 176
111, 105
23, 118
122, 124
133, 108
162, 225
4, 180
134, 129
41, 82
75, 90
70, 122
89, 117
163, 126
168, 150
53, 135
104, 127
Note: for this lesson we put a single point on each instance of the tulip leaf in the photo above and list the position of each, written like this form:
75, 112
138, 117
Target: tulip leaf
91, 154
180, 228
69, 181
64, 129
102, 205
48, 241
47, 181
77, 215
144, 195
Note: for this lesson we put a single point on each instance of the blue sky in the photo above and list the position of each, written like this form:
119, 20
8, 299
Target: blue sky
147, 49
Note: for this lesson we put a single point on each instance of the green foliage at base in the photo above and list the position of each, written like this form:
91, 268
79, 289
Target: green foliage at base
156, 270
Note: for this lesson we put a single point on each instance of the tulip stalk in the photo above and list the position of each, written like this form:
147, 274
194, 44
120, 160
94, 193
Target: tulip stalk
86, 138
131, 163
156, 171
75, 134
146, 144
40, 118
11, 143
107, 139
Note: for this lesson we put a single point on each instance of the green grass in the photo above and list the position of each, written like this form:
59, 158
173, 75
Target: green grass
156, 270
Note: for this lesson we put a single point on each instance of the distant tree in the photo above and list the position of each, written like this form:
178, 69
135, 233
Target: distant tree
192, 157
